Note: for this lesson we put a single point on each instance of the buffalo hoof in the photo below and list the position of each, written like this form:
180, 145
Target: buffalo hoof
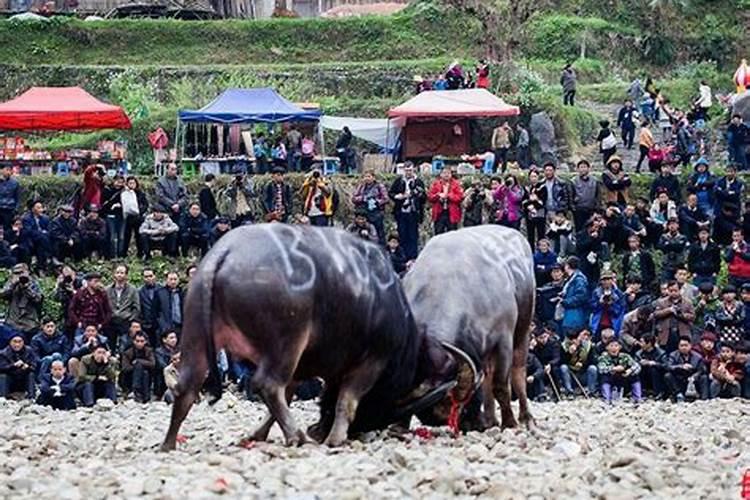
298, 438
167, 447
316, 432
334, 441
527, 420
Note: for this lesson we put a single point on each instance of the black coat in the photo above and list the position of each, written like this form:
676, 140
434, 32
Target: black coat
418, 198
668, 182
270, 197
704, 262
549, 353
648, 270
8, 357
147, 295
162, 310
61, 230
208, 203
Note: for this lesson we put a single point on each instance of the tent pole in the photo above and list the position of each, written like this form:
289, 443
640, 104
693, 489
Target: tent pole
321, 138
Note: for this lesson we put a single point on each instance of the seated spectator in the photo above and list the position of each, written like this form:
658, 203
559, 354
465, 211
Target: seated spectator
547, 350
396, 253
19, 242
704, 258
635, 325
64, 236
619, 370
742, 357
608, 335
579, 361
548, 296
638, 263
7, 259
737, 256
83, 345
158, 231
125, 341
614, 229
93, 231
692, 219
163, 356
559, 233
36, 227
534, 377
726, 374
172, 377
652, 360
701, 183
726, 221
17, 368
635, 295
136, 367
673, 245
24, 297
97, 377
730, 317
632, 223
607, 305
194, 230
50, 345
544, 259
663, 209
57, 388
706, 349
221, 227
592, 249
362, 227
706, 304
684, 368
729, 189
666, 182
168, 305
674, 317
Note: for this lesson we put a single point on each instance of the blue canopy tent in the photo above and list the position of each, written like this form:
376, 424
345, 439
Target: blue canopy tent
245, 106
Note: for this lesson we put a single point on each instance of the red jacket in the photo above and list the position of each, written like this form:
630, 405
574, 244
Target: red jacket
455, 197
89, 308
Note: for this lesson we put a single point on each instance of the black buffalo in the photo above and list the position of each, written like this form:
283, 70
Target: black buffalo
302, 302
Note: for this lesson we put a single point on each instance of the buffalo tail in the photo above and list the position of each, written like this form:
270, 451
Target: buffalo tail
213, 383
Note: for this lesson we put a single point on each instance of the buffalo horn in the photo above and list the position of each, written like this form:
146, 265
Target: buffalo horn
477, 375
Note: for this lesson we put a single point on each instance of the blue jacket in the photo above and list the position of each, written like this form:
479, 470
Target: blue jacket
34, 230
575, 301
44, 346
617, 309
546, 260
68, 384
10, 194
195, 226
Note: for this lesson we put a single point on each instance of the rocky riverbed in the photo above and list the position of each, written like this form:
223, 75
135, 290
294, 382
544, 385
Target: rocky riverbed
579, 449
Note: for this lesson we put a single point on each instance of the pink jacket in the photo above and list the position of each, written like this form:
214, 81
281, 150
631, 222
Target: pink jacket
508, 203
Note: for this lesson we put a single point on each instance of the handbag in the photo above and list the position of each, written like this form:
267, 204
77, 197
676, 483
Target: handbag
609, 142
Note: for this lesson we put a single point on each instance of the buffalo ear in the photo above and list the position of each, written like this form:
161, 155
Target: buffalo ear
468, 378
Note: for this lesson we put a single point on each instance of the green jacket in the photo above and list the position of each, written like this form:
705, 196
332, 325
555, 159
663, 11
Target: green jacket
24, 311
91, 370
607, 362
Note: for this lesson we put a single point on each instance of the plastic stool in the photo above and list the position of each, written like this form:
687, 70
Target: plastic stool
438, 164
63, 170
189, 170
331, 165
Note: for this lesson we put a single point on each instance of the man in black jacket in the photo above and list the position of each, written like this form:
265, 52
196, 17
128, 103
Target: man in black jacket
669, 182
194, 230
146, 295
17, 368
136, 369
704, 258
64, 236
692, 218
626, 122
639, 263
652, 360
547, 349
168, 305
408, 194
534, 377
277, 202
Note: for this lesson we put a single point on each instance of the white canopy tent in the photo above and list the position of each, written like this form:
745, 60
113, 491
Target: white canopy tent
383, 132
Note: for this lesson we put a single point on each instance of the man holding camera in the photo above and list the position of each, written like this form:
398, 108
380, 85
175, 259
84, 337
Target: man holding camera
409, 194
240, 193
17, 368
372, 197
674, 317
25, 302
318, 196
277, 202
362, 227
607, 305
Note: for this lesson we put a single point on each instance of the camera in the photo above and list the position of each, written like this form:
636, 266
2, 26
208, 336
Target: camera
67, 280
23, 279
508, 182
316, 174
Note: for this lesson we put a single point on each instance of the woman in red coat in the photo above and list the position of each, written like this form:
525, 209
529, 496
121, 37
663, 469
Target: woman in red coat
446, 195
92, 187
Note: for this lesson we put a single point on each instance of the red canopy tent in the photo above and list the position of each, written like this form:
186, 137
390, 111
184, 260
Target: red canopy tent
60, 108
437, 122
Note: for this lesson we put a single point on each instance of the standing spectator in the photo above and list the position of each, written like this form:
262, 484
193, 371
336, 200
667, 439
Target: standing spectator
293, 149
729, 189
674, 318
372, 197
163, 356
737, 135
706, 349
683, 366
10, 196
277, 202
668, 183
171, 193
737, 256
344, 151
445, 196
317, 194
308, 153
64, 237
93, 233
278, 153
50, 345
409, 194
111, 212
125, 303
206, 197
67, 284
194, 230
684, 146
652, 360
726, 374
477, 200
558, 192
508, 197
90, 305
17, 368
574, 299
592, 250
98, 376
137, 364
701, 183
523, 150
36, 227
93, 182
168, 305
704, 101
607, 141
616, 183
483, 74
569, 81
626, 120
134, 206
158, 231
607, 306
692, 218
240, 194
704, 259
559, 233
645, 143
586, 194
24, 296
730, 317
146, 297
501, 140
673, 245
619, 370
578, 360
638, 263
57, 388
534, 204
